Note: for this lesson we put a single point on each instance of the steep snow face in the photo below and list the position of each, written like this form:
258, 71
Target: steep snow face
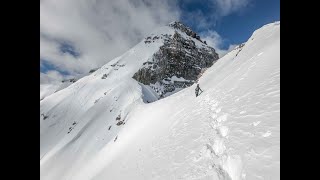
230, 131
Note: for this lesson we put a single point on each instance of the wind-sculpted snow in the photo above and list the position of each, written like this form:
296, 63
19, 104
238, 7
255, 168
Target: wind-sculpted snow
230, 131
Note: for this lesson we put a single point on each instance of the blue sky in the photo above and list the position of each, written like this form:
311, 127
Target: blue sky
79, 35
235, 27
46, 67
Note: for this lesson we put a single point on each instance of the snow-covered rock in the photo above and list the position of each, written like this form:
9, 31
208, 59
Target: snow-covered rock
182, 56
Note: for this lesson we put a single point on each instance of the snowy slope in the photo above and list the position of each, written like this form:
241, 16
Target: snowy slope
231, 131
88, 107
48, 87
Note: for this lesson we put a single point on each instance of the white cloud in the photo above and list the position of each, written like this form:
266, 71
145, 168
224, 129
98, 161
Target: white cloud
226, 7
214, 40
204, 20
207, 13
50, 53
99, 30
50, 77
53, 77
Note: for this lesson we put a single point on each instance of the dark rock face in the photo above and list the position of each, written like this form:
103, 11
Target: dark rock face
185, 29
93, 70
178, 63
73, 80
104, 76
239, 48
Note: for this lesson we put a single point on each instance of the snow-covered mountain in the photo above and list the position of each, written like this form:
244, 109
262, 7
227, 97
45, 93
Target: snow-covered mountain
178, 63
101, 126
52, 86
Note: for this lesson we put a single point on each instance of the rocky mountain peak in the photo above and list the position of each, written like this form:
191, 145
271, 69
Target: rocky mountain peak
183, 28
178, 63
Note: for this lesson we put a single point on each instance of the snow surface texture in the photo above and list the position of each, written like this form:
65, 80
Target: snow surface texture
230, 131
47, 89
54, 86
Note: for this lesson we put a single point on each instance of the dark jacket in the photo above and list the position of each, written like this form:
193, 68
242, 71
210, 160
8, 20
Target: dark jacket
197, 88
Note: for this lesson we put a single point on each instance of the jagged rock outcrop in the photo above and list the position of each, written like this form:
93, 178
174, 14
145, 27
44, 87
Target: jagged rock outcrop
178, 62
185, 29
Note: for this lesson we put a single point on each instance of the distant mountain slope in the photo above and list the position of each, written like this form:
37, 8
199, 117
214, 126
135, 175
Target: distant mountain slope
51, 86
